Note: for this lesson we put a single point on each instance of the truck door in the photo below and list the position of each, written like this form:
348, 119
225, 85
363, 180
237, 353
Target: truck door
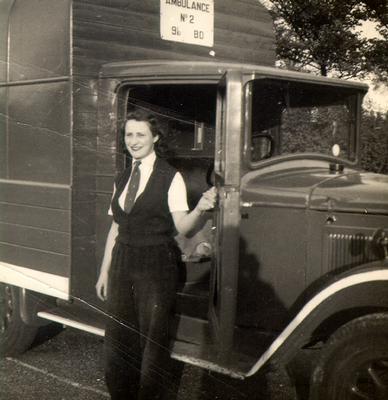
185, 104
223, 281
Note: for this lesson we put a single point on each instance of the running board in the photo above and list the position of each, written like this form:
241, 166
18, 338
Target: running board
70, 322
184, 328
203, 357
207, 365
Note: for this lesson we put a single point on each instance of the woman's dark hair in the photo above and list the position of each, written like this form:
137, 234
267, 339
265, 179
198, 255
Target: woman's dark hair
155, 125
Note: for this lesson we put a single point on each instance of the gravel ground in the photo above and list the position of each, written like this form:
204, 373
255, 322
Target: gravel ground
67, 365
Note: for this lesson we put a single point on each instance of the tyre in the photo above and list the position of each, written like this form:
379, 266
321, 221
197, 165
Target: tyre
15, 336
354, 362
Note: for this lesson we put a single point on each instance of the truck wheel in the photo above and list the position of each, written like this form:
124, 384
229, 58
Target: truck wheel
354, 362
15, 336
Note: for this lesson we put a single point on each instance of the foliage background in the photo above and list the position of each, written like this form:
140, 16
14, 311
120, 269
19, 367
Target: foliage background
374, 142
324, 37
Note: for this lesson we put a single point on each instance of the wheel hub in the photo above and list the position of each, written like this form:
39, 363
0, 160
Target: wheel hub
371, 381
6, 307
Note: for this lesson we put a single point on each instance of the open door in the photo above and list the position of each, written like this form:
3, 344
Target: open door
224, 273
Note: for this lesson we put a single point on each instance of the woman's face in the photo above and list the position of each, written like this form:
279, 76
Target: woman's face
138, 139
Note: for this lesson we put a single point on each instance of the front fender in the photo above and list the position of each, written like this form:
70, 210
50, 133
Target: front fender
362, 291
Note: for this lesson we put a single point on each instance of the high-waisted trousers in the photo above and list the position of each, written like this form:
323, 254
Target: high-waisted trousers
141, 295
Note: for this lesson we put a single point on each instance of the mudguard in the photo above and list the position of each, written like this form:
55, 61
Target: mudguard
30, 303
358, 292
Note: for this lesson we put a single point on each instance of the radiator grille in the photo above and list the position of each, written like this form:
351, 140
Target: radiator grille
346, 250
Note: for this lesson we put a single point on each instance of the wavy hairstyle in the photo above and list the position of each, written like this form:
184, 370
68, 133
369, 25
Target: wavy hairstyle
155, 125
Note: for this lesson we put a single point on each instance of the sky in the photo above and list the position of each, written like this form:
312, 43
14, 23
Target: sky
377, 97
368, 29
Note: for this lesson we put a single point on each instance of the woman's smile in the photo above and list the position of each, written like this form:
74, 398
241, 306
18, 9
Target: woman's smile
138, 139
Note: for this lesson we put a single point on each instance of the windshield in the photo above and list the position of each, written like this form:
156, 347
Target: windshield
293, 117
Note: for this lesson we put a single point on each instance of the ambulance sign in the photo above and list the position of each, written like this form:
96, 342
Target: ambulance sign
187, 21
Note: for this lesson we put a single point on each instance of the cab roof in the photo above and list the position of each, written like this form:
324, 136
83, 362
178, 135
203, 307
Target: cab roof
212, 71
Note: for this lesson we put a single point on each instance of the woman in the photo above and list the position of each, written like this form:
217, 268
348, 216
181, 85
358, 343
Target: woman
139, 269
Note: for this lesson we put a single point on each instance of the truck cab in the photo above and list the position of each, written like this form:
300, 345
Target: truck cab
297, 241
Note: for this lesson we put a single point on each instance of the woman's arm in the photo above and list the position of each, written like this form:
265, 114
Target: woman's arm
102, 283
186, 222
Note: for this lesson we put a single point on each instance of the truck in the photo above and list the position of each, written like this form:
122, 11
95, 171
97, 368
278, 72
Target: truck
294, 256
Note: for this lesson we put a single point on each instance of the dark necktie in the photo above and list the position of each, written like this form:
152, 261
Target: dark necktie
132, 187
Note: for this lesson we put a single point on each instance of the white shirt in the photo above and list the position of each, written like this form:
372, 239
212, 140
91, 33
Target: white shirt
177, 194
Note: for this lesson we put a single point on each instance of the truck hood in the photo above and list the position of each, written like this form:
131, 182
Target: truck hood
312, 186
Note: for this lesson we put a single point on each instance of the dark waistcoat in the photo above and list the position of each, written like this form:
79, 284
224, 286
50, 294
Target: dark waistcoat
150, 221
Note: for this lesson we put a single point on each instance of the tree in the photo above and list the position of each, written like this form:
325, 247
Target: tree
377, 55
378, 10
374, 142
323, 35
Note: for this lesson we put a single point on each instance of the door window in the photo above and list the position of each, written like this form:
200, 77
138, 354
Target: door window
186, 112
